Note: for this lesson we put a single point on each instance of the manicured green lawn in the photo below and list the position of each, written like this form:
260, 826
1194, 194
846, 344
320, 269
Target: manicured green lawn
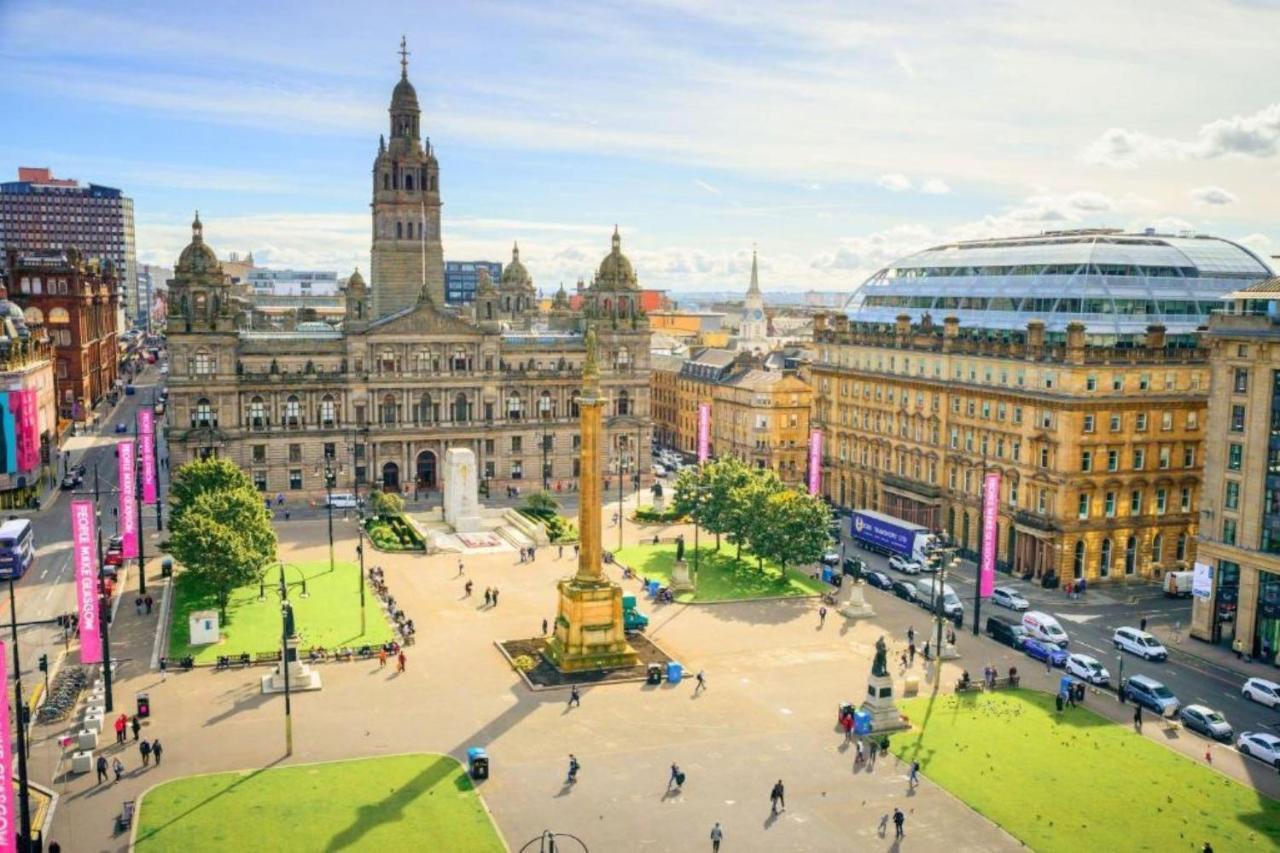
329, 616
400, 802
1077, 781
720, 577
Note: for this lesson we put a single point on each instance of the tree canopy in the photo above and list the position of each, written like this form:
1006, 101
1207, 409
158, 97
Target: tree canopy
383, 504
201, 476
792, 529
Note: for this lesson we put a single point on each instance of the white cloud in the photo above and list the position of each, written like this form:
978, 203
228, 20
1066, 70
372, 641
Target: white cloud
934, 186
895, 182
698, 182
1253, 135
1213, 195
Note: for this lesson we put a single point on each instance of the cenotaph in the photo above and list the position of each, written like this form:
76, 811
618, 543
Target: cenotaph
461, 504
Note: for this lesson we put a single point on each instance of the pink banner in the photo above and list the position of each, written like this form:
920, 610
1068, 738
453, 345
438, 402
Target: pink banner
704, 432
8, 826
815, 461
147, 453
990, 520
26, 424
126, 471
83, 536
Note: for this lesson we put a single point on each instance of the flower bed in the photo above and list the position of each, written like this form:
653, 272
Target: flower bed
560, 530
393, 533
650, 515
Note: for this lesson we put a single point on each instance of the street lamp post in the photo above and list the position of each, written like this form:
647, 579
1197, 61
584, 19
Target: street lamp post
24, 797
360, 555
104, 618
330, 478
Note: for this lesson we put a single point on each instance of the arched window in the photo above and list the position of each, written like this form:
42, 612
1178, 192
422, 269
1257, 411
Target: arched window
1078, 564
1131, 556
422, 361
1182, 546
58, 315
515, 406
408, 182
399, 230
573, 404
34, 315
387, 362
425, 409
622, 360
546, 409
460, 361
203, 363
204, 413
292, 410
624, 403
389, 409
328, 411
1157, 548
1104, 559
460, 408
257, 413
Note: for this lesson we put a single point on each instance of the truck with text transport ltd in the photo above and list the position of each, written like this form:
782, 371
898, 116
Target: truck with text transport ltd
876, 531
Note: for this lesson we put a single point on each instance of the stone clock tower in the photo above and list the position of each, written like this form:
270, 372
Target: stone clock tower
407, 254
753, 330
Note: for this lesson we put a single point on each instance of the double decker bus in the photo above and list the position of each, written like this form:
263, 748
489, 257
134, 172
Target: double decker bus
17, 548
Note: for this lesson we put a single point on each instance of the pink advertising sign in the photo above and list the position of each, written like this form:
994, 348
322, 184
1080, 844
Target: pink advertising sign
27, 425
990, 520
8, 829
704, 432
83, 536
126, 471
147, 453
815, 461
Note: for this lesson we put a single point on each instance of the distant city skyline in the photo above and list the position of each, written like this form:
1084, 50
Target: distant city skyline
833, 136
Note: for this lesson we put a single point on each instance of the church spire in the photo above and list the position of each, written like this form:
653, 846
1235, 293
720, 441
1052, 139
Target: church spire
755, 273
404, 59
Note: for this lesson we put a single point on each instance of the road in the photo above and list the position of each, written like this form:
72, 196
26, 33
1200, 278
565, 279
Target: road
47, 590
1090, 623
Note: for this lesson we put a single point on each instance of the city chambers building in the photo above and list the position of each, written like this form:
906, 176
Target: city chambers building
1071, 363
380, 397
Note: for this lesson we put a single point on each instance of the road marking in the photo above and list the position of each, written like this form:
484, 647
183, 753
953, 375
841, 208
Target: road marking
43, 573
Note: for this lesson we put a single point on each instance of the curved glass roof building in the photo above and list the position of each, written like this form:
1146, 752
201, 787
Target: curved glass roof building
1116, 284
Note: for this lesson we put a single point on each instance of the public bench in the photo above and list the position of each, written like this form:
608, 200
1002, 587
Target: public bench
264, 657
125, 819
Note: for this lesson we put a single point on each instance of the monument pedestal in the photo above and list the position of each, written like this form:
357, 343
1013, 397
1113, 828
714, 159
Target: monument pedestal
680, 579
857, 607
659, 502
880, 705
301, 676
461, 507
589, 631
949, 651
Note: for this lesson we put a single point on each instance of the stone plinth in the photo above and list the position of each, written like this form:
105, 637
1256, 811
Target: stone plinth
880, 705
588, 632
680, 579
857, 607
301, 676
461, 504
660, 502
949, 651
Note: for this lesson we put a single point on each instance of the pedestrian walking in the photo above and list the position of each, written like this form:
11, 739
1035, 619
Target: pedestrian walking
914, 778
121, 722
573, 770
575, 551
164, 668
136, 726
822, 616
575, 698
861, 755
145, 749
898, 820
102, 769
702, 682
149, 602
911, 654
1137, 718
117, 767
884, 824
488, 596
401, 660
560, 555
874, 750
467, 590
1142, 624
156, 749
1048, 664
676, 775
544, 627
286, 515
460, 568
777, 797
717, 835
382, 658
846, 723
926, 649
911, 635
137, 605
495, 596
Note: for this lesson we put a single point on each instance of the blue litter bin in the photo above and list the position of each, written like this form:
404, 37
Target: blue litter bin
478, 762
674, 672
862, 722
827, 575
653, 588
1064, 686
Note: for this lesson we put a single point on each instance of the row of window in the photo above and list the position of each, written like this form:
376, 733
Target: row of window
1106, 554
1137, 503
1115, 422
1164, 457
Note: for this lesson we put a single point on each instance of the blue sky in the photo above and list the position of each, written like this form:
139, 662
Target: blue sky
836, 136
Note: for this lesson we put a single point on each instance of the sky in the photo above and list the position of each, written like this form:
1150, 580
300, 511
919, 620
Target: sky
833, 136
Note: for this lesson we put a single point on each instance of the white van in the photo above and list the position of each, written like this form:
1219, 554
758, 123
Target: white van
951, 604
1042, 626
343, 501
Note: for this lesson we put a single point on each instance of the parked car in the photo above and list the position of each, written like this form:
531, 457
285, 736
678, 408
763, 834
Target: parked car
1044, 651
164, 369
1139, 643
1042, 626
70, 481
342, 501
903, 564
1151, 694
831, 558
114, 558
879, 580
122, 427
1088, 669
1262, 691
1206, 721
1009, 633
1260, 745
853, 566
1007, 596
658, 470
904, 590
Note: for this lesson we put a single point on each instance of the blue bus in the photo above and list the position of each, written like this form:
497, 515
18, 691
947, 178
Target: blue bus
17, 548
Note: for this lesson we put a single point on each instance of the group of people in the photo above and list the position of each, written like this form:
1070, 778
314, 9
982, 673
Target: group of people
528, 555
142, 602
147, 748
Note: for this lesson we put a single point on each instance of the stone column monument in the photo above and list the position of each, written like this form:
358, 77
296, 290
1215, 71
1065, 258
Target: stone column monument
589, 632
461, 506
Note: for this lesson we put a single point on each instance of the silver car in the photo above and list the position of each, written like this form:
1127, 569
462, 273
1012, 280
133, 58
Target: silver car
1206, 721
1007, 596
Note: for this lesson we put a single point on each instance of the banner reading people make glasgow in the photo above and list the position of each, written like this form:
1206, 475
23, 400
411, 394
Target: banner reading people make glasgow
83, 534
147, 454
704, 432
815, 461
990, 519
126, 471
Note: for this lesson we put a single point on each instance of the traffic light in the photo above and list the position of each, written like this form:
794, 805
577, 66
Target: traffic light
26, 714
44, 663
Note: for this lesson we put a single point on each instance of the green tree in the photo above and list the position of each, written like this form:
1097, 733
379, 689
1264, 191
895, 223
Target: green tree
792, 529
706, 493
747, 505
384, 504
541, 504
202, 476
224, 540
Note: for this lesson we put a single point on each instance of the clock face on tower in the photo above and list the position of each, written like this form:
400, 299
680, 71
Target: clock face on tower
757, 315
